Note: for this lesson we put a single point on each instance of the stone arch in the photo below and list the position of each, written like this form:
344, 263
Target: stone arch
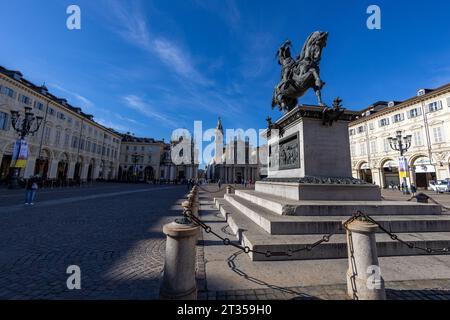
64, 156
415, 157
422, 173
42, 164
389, 173
365, 171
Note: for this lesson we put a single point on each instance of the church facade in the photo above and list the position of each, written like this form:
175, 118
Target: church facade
235, 162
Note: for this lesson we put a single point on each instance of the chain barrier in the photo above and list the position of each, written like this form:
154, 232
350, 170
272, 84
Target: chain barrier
364, 217
359, 215
226, 241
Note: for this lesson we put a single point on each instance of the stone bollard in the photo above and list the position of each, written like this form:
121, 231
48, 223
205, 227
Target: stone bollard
194, 204
229, 189
187, 205
178, 282
364, 280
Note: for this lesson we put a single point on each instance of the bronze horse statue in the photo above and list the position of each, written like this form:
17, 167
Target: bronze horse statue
301, 74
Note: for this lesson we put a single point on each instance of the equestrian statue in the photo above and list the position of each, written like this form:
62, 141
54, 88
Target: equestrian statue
301, 74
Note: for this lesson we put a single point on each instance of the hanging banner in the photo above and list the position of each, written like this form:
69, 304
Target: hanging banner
403, 167
20, 154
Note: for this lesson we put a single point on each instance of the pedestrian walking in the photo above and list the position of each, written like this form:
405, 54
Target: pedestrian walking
219, 183
413, 189
31, 188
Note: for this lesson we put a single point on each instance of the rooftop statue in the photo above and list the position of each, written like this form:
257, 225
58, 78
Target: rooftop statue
301, 74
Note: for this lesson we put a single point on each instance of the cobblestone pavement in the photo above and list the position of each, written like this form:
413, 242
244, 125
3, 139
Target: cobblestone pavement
424, 289
112, 232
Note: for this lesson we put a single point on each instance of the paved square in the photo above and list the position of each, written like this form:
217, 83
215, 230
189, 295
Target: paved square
113, 232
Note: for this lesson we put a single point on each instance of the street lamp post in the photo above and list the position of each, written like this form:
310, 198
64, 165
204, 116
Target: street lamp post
24, 125
401, 144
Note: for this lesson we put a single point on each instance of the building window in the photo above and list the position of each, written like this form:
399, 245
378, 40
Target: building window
8, 92
4, 121
417, 137
437, 133
435, 106
66, 140
413, 113
361, 129
398, 117
51, 111
25, 99
38, 105
362, 149
57, 137
353, 150
351, 132
61, 116
47, 134
371, 126
373, 147
74, 142
384, 122
94, 147
386, 145
88, 146
448, 102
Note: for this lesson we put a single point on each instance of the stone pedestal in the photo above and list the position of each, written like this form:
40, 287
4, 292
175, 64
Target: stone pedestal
364, 280
310, 159
179, 281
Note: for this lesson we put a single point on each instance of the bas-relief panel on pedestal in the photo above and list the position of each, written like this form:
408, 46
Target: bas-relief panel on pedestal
286, 154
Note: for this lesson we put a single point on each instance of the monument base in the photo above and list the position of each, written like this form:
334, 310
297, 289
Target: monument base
322, 191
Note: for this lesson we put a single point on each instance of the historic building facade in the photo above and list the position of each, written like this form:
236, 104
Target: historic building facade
69, 144
233, 165
426, 117
146, 159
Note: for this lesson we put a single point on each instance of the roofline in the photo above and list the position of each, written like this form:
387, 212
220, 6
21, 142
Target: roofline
54, 100
436, 92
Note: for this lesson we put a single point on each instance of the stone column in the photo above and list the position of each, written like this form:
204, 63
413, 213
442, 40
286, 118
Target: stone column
53, 168
84, 171
96, 172
70, 170
179, 281
364, 280
172, 172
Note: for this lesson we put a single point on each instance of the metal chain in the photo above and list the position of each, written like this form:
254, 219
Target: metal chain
226, 241
360, 215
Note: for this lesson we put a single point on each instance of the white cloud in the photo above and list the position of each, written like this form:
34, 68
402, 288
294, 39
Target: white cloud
134, 29
136, 103
81, 100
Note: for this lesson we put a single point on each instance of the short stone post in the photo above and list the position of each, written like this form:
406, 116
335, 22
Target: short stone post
193, 204
229, 189
364, 280
178, 282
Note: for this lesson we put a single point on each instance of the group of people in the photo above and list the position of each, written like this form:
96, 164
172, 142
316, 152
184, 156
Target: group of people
403, 187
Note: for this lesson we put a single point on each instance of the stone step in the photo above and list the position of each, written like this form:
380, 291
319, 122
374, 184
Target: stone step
284, 206
278, 225
250, 234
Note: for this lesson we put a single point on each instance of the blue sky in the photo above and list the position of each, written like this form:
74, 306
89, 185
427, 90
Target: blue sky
152, 66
